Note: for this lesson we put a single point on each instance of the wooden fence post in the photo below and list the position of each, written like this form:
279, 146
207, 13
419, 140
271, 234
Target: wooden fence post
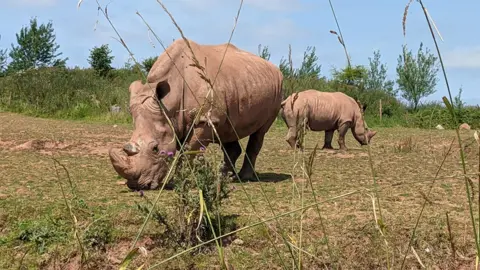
380, 109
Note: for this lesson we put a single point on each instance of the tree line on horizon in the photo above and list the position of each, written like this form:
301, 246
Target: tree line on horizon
416, 78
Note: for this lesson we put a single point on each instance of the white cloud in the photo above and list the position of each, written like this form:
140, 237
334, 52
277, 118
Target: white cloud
463, 57
32, 3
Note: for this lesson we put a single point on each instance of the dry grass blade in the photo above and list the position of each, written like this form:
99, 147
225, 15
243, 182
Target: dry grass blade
425, 197
448, 104
404, 21
69, 207
450, 237
418, 257
262, 222
433, 22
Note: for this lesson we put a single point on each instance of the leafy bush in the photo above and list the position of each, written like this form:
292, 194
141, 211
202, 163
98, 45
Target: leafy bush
65, 93
42, 233
199, 190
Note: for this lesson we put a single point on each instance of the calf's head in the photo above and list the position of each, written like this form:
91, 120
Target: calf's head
292, 121
142, 160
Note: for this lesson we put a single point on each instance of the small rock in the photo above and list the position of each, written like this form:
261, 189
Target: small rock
114, 126
115, 109
465, 126
121, 183
439, 127
238, 241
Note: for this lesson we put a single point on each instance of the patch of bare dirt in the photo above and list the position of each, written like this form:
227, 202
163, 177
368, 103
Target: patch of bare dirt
117, 253
48, 147
41, 145
344, 155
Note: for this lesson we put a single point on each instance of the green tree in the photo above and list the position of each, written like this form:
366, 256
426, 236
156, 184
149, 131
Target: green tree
309, 68
264, 53
351, 75
101, 60
36, 48
148, 63
417, 76
3, 62
377, 76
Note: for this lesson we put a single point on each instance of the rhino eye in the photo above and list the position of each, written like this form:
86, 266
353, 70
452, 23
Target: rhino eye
155, 149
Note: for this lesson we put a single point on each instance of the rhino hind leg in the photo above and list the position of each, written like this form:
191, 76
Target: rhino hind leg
328, 139
342, 130
231, 152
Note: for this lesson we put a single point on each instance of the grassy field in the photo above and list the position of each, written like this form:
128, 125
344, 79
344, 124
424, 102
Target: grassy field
36, 227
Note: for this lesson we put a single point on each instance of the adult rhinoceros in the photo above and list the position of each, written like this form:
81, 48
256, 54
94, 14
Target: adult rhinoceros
248, 90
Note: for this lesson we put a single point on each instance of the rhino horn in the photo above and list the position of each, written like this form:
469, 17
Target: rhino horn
130, 149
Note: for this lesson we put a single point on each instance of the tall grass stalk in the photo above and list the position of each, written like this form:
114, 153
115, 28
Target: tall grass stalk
340, 33
380, 223
211, 89
70, 210
262, 222
219, 247
307, 171
448, 104
174, 163
425, 203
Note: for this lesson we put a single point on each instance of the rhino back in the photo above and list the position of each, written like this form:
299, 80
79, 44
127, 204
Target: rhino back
329, 110
247, 88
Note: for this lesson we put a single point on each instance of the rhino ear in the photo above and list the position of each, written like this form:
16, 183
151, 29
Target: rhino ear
162, 89
283, 103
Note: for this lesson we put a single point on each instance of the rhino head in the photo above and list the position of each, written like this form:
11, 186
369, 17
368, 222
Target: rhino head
142, 160
362, 135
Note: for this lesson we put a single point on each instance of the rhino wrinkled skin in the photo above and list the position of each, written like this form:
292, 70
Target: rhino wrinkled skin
248, 89
324, 111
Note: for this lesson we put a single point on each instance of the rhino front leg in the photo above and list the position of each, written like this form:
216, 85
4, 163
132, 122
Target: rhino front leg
231, 152
255, 143
342, 130
328, 139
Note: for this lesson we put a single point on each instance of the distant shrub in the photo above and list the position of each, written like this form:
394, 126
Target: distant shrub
65, 93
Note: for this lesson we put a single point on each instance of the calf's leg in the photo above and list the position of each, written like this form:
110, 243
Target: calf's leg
342, 130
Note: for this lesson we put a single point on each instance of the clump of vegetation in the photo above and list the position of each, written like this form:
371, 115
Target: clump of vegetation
41, 233
405, 145
98, 234
101, 59
200, 190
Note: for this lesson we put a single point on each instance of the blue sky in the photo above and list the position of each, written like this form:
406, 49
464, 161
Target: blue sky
366, 26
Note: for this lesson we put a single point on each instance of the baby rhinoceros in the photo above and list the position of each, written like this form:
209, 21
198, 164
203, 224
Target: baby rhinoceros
324, 111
